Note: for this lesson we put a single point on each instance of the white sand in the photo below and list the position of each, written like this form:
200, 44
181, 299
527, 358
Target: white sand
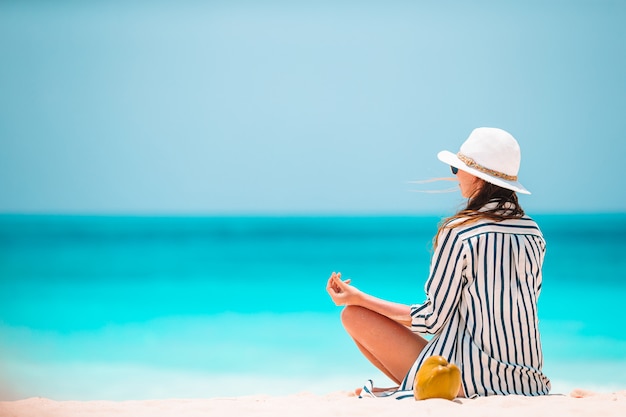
336, 404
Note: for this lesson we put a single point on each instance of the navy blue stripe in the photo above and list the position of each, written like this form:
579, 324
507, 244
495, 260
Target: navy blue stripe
482, 304
500, 280
473, 332
517, 334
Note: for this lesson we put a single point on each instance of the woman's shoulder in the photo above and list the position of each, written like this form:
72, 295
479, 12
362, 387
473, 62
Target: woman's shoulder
471, 225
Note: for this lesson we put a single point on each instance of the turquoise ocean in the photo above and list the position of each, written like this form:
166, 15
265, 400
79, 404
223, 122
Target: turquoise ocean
137, 307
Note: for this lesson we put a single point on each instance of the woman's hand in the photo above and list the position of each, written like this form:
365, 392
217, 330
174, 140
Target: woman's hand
341, 292
344, 294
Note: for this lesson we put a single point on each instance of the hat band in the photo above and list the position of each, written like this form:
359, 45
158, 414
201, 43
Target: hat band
473, 164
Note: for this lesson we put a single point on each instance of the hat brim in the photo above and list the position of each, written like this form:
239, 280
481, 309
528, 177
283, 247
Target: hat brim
450, 158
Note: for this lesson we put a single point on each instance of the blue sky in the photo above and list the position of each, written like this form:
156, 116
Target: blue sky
276, 107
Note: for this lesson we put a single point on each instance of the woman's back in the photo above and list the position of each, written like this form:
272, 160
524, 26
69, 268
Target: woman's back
482, 297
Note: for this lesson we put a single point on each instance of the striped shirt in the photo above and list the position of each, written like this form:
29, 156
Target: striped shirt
481, 307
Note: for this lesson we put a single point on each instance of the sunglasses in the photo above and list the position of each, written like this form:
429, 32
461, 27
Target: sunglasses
454, 170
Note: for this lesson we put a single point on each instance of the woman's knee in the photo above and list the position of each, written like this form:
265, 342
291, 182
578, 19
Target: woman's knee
353, 316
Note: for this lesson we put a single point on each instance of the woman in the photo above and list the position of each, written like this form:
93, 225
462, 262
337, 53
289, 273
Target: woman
481, 295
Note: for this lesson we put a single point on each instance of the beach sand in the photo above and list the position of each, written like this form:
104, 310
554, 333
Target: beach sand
577, 403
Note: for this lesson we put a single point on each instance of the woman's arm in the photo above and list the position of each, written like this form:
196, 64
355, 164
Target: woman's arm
342, 293
443, 288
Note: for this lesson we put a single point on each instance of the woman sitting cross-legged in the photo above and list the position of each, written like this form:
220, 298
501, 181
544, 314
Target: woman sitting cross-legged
481, 294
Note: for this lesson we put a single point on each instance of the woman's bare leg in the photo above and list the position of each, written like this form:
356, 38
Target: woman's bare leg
390, 346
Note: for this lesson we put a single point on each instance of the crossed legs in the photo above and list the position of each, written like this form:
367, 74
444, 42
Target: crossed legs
388, 345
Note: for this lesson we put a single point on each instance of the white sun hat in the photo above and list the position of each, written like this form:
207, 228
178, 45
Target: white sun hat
491, 154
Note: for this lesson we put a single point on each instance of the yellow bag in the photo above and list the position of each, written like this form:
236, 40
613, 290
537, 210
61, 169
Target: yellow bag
437, 378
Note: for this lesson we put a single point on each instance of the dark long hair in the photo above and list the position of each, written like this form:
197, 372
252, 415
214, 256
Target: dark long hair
506, 207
